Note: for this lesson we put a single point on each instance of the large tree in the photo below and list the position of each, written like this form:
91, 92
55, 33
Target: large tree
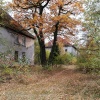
91, 52
47, 17
61, 21
92, 24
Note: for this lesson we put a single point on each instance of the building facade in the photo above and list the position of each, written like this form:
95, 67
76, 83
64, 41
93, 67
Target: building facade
67, 46
17, 40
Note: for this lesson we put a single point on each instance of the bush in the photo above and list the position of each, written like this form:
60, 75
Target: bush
6, 60
66, 58
37, 54
8, 66
7, 71
88, 63
47, 54
74, 60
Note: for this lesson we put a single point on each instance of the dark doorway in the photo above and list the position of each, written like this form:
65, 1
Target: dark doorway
16, 56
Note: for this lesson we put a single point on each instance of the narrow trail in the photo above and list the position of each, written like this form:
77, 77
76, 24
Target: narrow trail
67, 84
44, 80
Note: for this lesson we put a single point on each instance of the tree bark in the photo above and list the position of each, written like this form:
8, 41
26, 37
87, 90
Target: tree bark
40, 38
55, 49
42, 48
43, 54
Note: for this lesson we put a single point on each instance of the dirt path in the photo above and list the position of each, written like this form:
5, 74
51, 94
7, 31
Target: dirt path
67, 84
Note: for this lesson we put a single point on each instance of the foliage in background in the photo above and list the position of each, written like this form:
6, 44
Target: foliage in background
88, 63
37, 53
2, 3
65, 57
47, 54
89, 58
62, 58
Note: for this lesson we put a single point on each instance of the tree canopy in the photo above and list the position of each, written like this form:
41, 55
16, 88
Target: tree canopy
47, 17
90, 55
92, 23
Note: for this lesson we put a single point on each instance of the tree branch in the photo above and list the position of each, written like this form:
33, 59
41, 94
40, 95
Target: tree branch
46, 3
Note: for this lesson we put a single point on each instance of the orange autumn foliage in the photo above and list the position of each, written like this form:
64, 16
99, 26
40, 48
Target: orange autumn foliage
47, 17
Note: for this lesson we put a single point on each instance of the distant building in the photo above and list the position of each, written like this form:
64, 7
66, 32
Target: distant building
67, 46
17, 39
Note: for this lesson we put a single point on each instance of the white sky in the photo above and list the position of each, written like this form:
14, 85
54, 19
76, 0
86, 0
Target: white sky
8, 0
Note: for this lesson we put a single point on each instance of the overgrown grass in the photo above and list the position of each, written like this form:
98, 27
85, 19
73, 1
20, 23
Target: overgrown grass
24, 74
88, 64
56, 84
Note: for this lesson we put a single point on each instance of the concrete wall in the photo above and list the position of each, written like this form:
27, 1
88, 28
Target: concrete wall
71, 49
8, 42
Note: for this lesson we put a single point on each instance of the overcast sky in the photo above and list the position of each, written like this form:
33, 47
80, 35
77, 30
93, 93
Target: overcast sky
8, 0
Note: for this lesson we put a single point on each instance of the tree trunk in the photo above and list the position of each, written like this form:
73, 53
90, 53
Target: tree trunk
43, 54
53, 54
42, 48
55, 49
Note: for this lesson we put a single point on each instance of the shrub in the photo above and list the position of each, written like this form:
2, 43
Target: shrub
88, 63
9, 66
37, 53
74, 60
66, 58
6, 60
7, 71
47, 54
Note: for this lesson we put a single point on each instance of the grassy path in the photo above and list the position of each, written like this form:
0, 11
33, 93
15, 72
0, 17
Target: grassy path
66, 84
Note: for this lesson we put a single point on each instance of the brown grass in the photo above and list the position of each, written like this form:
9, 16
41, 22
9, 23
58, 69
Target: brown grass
61, 84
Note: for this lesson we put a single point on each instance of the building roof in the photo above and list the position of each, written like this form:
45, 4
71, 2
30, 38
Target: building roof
7, 21
65, 41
